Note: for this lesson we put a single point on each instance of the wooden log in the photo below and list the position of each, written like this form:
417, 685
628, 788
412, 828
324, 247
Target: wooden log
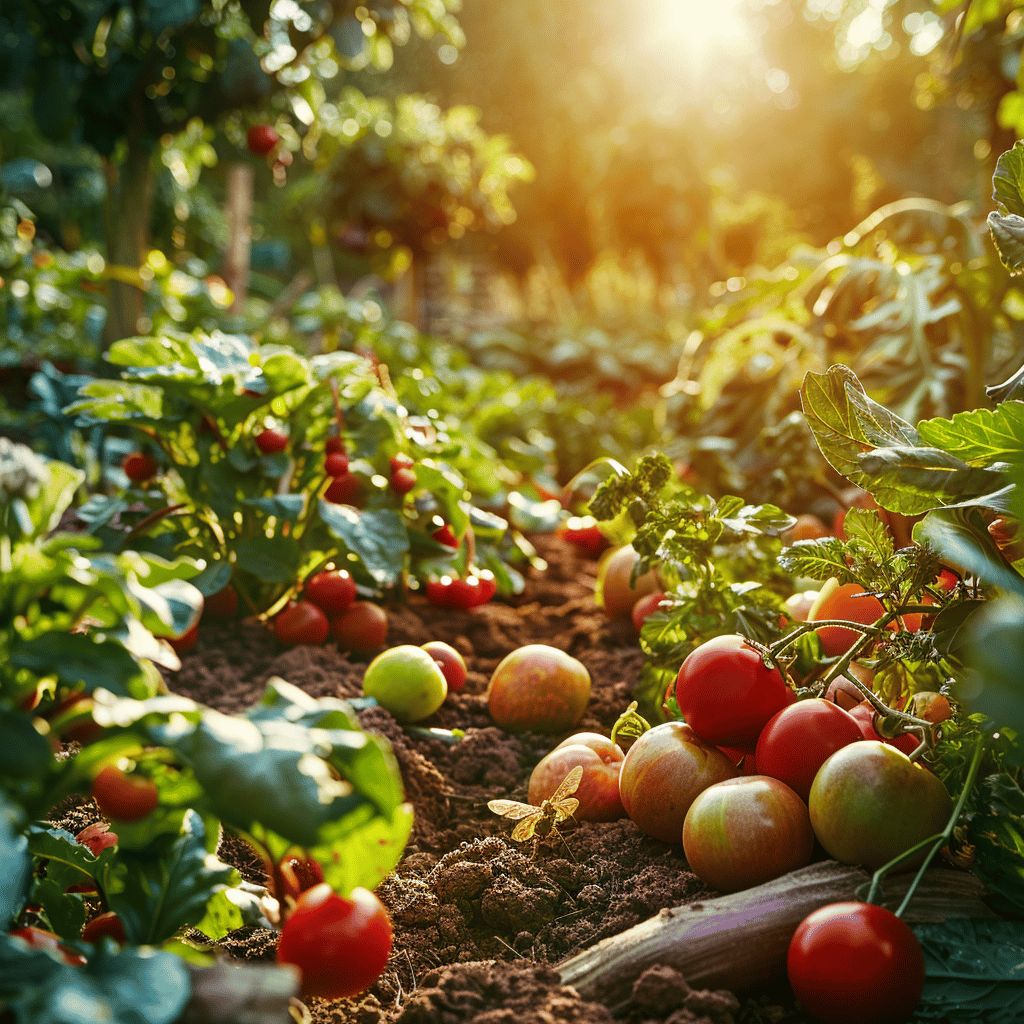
739, 941
242, 993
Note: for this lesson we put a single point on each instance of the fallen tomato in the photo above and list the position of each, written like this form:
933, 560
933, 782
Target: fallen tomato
361, 628
850, 963
598, 791
340, 945
301, 622
538, 688
407, 681
451, 663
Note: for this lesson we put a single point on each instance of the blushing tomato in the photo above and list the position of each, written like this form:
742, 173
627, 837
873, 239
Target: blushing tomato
615, 591
538, 688
340, 945
301, 622
799, 739
123, 797
849, 963
598, 792
864, 715
451, 663
332, 591
847, 601
645, 607
726, 692
742, 832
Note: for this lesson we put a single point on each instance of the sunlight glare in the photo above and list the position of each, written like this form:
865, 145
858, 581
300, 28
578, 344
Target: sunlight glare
703, 30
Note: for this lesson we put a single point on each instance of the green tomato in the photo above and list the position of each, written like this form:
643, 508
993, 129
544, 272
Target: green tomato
407, 681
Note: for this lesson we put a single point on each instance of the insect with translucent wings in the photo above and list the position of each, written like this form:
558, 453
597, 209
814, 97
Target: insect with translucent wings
540, 822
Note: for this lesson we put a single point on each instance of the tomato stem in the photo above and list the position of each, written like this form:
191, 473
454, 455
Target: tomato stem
630, 723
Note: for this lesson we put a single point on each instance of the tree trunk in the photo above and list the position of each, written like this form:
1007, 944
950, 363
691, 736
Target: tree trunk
739, 941
239, 217
128, 205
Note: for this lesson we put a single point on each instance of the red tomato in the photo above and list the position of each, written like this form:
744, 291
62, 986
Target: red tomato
598, 791
340, 945
644, 607
261, 139
123, 797
402, 480
742, 832
444, 535
401, 461
850, 963
107, 925
270, 441
362, 627
223, 604
301, 622
583, 532
336, 464
849, 602
139, 467
184, 643
39, 938
299, 874
451, 663
947, 580
726, 692
864, 715
468, 592
799, 739
334, 445
332, 591
97, 837
344, 490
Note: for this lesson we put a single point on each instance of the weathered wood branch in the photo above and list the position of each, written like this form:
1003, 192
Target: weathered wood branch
242, 993
739, 941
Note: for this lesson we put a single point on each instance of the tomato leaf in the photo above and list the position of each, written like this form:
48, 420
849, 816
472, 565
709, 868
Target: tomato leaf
270, 558
980, 436
376, 536
974, 971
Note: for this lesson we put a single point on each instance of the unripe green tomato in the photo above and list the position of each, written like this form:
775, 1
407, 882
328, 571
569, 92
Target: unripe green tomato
407, 681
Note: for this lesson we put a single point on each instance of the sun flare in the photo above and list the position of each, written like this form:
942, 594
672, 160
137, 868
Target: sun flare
703, 30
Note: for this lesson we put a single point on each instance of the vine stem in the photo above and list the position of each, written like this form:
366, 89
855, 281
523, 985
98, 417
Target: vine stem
936, 841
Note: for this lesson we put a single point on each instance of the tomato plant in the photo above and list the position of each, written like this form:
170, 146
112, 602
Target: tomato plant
853, 962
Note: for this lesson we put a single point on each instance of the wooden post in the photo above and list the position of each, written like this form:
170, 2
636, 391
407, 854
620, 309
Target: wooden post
238, 210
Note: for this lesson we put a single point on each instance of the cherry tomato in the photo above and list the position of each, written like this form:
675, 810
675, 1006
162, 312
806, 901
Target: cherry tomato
467, 592
344, 490
800, 738
362, 627
39, 938
403, 480
223, 604
332, 591
107, 925
340, 945
451, 663
184, 643
444, 535
301, 622
97, 837
336, 464
726, 692
261, 139
122, 797
583, 532
334, 445
401, 461
645, 607
271, 441
850, 963
139, 467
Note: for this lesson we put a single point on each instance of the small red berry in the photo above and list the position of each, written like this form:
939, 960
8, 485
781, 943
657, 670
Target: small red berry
336, 464
270, 441
261, 139
444, 535
344, 490
401, 461
331, 591
403, 480
139, 467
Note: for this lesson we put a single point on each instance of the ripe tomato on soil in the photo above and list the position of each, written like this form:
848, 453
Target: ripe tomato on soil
742, 832
726, 692
270, 441
139, 467
407, 681
451, 663
538, 688
849, 963
261, 139
664, 771
800, 738
361, 628
583, 533
122, 797
301, 622
870, 802
104, 926
598, 791
332, 590
223, 604
340, 945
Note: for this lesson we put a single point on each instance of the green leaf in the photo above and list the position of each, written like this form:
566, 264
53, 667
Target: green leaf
817, 559
974, 971
79, 659
166, 886
24, 753
1008, 235
103, 401
54, 497
377, 536
284, 506
273, 559
993, 683
980, 436
1008, 180
126, 986
15, 866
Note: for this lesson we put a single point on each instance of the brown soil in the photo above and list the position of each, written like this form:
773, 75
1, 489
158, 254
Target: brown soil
478, 920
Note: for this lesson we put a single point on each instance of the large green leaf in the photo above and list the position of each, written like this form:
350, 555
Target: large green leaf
78, 659
980, 436
377, 536
974, 972
273, 559
102, 401
1008, 180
